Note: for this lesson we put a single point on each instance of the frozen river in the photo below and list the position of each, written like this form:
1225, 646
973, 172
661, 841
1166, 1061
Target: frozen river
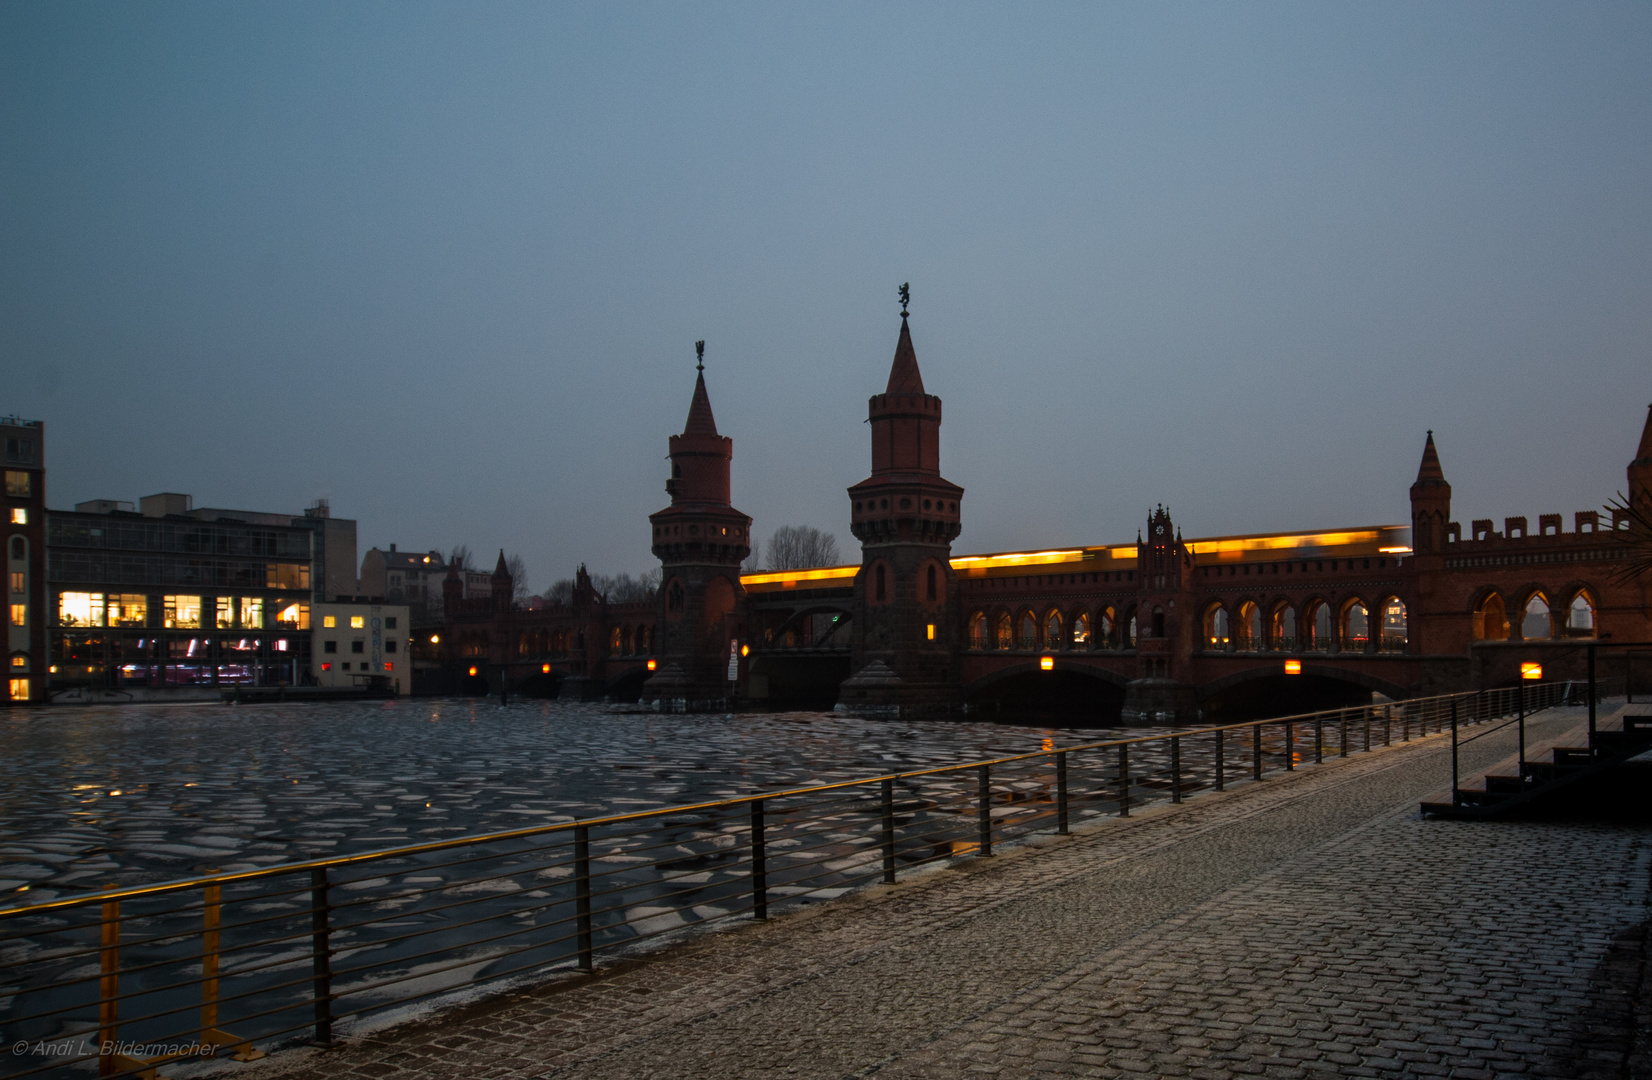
119, 795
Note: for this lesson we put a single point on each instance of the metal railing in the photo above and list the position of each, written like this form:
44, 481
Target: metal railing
123, 980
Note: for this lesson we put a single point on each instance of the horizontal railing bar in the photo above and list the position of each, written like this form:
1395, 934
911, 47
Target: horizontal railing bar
642, 815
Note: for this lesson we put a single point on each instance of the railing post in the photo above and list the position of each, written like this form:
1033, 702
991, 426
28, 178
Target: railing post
1405, 725
1522, 770
1124, 779
1256, 751
322, 960
1342, 733
1290, 746
1454, 796
1591, 697
984, 810
1388, 725
582, 898
1319, 740
1175, 768
1061, 825
889, 832
1221, 742
109, 987
759, 869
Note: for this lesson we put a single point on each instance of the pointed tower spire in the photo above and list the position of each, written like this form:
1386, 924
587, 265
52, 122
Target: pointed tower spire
1429, 471
1640, 470
700, 420
1644, 451
500, 568
904, 377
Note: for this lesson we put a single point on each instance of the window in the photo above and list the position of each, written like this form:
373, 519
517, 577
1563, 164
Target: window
128, 609
181, 612
1536, 622
19, 581
1029, 632
252, 612
286, 576
1247, 630
1284, 629
1216, 628
328, 622
1004, 633
978, 631
357, 622
390, 622
20, 689
1052, 630
357, 646
1130, 632
674, 597
614, 642
20, 614
882, 589
329, 646
1081, 631
20, 450
1158, 622
930, 577
20, 660
1319, 627
294, 617
389, 645
1393, 625
1491, 621
17, 484
1356, 628
19, 548
78, 609
1580, 617
19, 516
225, 612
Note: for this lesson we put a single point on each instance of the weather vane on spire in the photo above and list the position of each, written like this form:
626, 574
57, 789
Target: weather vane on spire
906, 297
699, 356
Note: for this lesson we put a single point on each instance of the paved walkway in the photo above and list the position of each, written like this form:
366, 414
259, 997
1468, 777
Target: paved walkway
1312, 925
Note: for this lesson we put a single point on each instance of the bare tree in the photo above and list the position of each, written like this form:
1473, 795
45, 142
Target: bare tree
754, 561
561, 592
460, 554
624, 589
799, 547
519, 579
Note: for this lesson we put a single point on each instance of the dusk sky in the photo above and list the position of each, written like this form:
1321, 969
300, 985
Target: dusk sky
444, 264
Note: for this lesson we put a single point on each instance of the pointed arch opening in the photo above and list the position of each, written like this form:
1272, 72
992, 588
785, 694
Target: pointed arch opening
1028, 627
1054, 638
1535, 624
1247, 630
1394, 629
1081, 630
978, 631
1491, 621
1316, 626
1580, 615
1284, 628
1216, 628
1003, 631
1356, 627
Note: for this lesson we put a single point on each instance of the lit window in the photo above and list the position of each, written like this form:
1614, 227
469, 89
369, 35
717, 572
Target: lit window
326, 667
181, 612
17, 484
929, 629
128, 609
294, 616
280, 644
357, 622
225, 612
252, 612
19, 516
19, 581
329, 621
20, 661
20, 614
77, 609
388, 666
329, 646
20, 689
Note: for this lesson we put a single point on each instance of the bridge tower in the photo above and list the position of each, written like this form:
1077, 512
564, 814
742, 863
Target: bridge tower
1640, 470
700, 540
904, 651
1430, 503
1166, 628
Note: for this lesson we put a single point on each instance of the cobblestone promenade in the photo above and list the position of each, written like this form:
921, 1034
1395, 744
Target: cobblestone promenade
1311, 925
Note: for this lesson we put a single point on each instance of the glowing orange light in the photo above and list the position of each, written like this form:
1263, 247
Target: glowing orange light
326, 667
1293, 667
1046, 663
651, 665
1531, 670
745, 650
473, 673
388, 666
931, 631
435, 639
545, 669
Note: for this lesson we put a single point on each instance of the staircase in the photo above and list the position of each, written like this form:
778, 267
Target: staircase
1549, 767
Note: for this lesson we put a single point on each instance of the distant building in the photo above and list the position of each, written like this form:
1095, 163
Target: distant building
413, 578
25, 467
362, 646
172, 597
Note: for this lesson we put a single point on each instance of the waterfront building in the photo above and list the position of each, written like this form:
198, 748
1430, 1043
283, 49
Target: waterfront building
25, 468
413, 578
362, 646
168, 597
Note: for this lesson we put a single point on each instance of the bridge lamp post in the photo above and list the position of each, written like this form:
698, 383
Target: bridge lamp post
1529, 671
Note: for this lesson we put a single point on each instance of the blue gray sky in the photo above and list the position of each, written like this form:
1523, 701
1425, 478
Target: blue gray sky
444, 264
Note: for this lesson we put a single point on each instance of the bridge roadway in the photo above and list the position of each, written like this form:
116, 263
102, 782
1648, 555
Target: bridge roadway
1310, 925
